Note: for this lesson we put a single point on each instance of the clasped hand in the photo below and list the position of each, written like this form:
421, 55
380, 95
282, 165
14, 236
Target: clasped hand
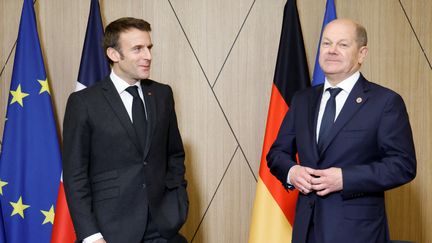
323, 182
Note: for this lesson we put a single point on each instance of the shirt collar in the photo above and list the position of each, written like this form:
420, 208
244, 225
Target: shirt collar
346, 85
120, 84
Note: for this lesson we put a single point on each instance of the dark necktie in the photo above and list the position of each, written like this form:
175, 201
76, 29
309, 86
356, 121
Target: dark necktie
138, 115
328, 116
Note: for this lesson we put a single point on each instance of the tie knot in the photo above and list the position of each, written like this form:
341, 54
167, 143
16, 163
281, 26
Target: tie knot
334, 92
133, 90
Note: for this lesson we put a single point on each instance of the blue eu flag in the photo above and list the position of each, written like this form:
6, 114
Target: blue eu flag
30, 162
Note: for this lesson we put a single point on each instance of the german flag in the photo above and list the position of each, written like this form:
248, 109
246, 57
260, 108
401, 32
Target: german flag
274, 207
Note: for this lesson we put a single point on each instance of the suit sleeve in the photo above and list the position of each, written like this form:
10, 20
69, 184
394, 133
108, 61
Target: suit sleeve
76, 157
396, 164
282, 154
176, 156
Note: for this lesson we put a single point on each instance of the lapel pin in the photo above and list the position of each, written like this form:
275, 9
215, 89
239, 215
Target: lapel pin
359, 100
149, 93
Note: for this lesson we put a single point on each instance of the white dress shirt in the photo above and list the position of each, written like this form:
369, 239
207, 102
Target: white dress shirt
127, 100
346, 86
125, 96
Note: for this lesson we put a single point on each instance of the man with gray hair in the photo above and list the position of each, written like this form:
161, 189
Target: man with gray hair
353, 140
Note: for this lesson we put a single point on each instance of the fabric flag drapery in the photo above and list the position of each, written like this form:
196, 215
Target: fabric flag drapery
94, 64
93, 67
329, 15
274, 206
30, 161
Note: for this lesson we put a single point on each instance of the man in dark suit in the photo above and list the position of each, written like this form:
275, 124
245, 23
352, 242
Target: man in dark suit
123, 156
353, 141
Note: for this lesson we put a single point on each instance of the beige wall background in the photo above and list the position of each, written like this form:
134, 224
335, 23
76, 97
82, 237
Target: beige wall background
219, 57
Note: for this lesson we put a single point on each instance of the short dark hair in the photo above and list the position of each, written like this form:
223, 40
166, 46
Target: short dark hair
115, 28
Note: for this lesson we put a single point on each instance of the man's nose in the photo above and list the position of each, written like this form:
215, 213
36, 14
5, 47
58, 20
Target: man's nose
333, 49
147, 54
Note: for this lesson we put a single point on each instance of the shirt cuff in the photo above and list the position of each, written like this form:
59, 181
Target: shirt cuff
93, 238
288, 177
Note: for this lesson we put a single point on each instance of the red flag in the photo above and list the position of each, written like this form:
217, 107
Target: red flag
63, 230
273, 212
94, 67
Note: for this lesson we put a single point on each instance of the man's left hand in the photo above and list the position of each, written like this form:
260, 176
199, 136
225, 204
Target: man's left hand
327, 181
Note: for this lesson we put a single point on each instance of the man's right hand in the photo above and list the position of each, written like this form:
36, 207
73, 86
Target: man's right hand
300, 178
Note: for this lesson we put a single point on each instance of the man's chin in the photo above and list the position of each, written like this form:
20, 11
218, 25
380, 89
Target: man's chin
144, 76
331, 71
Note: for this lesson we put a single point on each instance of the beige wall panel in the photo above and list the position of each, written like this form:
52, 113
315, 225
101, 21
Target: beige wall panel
228, 218
419, 13
207, 139
311, 13
62, 26
114, 9
4, 93
9, 21
211, 27
245, 83
395, 60
409, 207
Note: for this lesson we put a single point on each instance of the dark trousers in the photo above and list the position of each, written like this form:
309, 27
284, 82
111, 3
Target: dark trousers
310, 236
311, 233
152, 235
178, 238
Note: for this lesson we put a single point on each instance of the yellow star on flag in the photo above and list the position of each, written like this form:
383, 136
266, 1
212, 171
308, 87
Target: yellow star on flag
19, 207
18, 96
2, 184
49, 215
45, 86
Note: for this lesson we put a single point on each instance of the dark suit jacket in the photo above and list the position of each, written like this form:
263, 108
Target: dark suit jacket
111, 182
371, 141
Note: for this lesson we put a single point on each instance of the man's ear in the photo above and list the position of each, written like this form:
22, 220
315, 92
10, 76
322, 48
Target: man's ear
363, 51
113, 54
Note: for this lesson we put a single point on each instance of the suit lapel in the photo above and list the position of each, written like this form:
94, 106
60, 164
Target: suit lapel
314, 110
356, 99
151, 112
117, 105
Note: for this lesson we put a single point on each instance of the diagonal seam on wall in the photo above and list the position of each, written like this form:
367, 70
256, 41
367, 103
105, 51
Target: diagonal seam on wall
211, 87
214, 194
209, 83
8, 58
232, 46
415, 34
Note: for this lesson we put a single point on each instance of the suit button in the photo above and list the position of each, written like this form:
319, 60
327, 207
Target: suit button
145, 163
144, 186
